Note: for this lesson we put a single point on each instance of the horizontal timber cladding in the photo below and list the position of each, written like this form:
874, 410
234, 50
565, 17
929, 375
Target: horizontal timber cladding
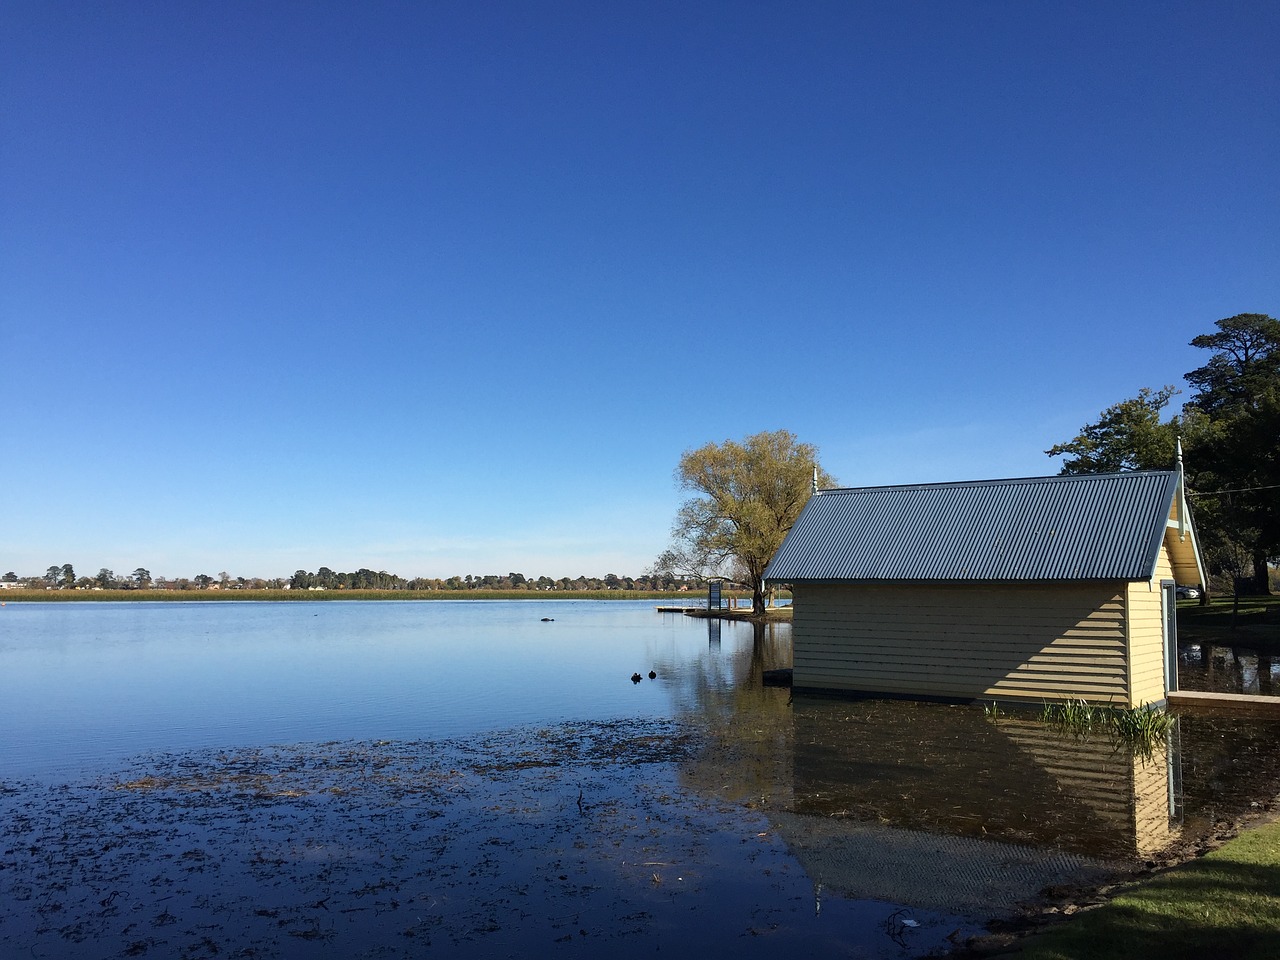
1146, 635
1120, 788
1012, 642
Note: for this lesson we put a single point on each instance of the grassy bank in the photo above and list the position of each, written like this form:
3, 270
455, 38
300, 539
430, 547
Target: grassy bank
60, 596
1225, 904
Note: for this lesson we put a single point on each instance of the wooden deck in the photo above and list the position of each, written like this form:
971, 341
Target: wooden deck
1233, 704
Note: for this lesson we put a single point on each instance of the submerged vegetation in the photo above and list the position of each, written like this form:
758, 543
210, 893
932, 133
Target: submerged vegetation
1140, 726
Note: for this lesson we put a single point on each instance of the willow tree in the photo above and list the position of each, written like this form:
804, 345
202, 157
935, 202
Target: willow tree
745, 498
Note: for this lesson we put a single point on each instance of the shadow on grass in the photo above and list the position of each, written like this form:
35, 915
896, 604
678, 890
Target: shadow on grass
1226, 904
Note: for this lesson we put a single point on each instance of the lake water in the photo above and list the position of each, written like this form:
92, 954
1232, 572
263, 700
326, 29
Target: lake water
235, 757
85, 685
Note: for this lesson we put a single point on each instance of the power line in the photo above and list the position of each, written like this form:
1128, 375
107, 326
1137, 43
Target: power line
1214, 493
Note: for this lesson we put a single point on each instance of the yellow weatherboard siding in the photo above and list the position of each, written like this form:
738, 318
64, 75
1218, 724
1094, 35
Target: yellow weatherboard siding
1035, 589
1146, 634
1011, 642
1128, 790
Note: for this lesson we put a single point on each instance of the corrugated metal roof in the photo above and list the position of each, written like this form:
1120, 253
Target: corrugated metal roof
1095, 527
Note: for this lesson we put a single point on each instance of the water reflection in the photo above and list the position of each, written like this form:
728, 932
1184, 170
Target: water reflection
878, 778
887, 803
1227, 669
950, 771
1230, 767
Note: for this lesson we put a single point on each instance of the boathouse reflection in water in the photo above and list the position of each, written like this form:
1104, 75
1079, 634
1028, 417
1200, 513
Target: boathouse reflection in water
952, 770
943, 770
945, 808
937, 807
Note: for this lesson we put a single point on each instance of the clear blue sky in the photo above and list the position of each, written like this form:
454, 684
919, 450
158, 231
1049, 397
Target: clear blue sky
448, 287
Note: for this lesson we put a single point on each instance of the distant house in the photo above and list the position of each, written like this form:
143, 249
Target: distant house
1038, 589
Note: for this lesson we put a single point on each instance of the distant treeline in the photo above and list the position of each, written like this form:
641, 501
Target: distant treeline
214, 595
64, 577
365, 579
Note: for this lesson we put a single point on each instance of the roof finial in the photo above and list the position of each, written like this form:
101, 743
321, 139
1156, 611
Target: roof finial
815, 478
1182, 491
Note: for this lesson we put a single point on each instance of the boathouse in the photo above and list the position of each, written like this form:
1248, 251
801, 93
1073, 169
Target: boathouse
1046, 588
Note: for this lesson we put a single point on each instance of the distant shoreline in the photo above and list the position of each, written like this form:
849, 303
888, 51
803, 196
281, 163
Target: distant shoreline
171, 596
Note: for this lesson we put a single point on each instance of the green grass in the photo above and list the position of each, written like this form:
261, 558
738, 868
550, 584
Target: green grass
1225, 904
58, 596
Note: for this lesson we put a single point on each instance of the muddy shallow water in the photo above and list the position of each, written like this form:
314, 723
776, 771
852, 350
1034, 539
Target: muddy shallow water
699, 812
740, 836
570, 841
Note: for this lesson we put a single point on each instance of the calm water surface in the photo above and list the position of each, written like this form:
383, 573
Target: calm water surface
84, 685
843, 814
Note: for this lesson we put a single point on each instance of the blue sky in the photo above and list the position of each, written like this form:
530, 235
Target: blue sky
447, 288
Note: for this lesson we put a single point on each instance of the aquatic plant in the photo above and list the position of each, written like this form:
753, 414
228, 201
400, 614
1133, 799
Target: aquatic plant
1141, 724
1076, 716
1141, 727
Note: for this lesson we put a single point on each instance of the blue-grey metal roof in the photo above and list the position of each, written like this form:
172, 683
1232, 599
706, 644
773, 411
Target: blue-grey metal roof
1094, 527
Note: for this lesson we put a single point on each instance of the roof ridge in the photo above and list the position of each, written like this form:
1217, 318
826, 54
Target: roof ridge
1001, 481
